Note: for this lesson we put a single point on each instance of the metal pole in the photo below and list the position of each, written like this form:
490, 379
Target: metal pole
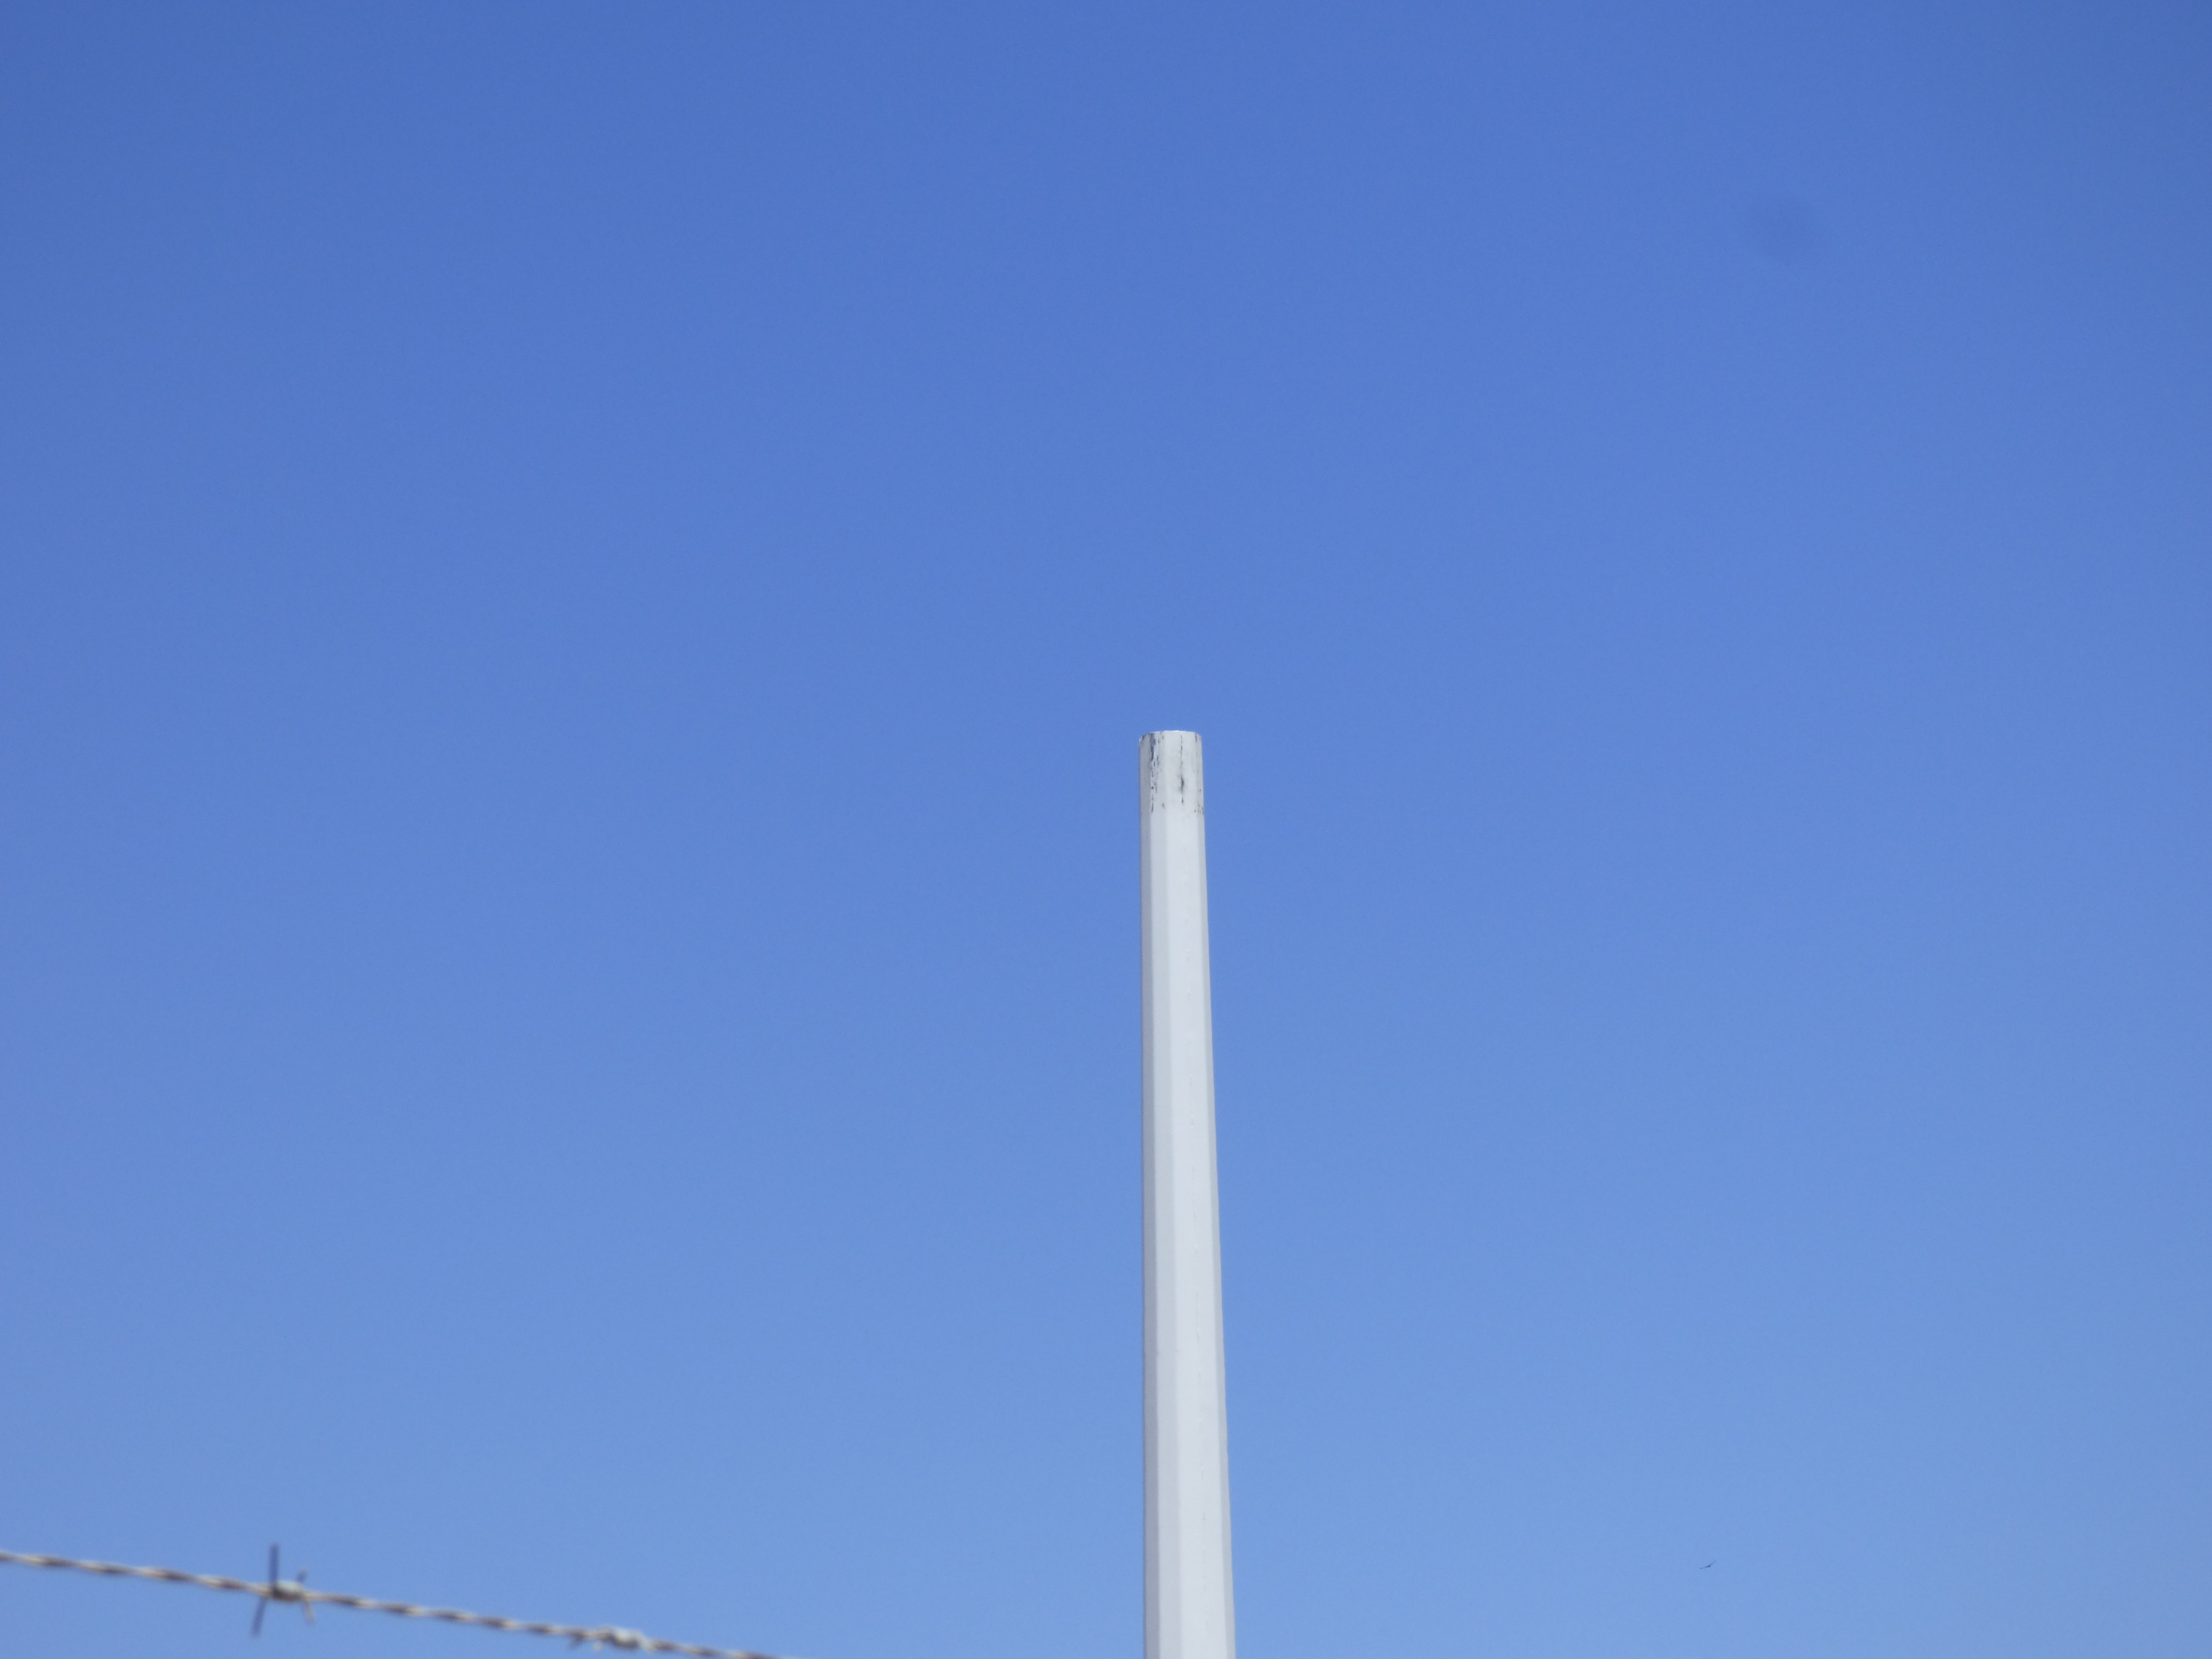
1189, 1612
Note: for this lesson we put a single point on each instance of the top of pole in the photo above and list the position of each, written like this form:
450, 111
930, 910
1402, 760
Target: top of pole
1171, 772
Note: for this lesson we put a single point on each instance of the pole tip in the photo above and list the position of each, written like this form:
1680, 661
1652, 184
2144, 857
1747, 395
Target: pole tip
1171, 772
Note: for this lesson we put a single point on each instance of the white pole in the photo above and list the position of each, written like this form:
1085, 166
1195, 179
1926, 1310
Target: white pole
1188, 1610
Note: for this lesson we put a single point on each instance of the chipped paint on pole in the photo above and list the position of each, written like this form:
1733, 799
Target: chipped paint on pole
1190, 1611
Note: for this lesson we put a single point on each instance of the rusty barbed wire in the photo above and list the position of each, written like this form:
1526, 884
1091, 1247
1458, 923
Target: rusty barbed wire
293, 1592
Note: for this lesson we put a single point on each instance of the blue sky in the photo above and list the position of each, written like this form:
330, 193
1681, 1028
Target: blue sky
578, 587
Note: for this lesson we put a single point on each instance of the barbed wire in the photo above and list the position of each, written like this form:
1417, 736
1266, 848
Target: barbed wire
294, 1592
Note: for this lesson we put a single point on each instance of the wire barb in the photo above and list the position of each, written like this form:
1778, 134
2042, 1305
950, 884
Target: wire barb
278, 1588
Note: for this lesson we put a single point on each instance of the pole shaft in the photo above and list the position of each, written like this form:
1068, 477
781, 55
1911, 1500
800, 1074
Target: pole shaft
1189, 1612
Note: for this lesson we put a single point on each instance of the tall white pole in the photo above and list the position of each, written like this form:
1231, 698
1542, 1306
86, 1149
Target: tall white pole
1189, 1612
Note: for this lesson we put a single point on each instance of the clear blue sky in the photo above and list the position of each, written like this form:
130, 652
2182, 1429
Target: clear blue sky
578, 588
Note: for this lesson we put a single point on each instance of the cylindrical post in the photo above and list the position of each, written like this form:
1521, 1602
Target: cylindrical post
1189, 1612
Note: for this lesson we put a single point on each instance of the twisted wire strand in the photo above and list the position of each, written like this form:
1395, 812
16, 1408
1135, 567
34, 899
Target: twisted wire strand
291, 1591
